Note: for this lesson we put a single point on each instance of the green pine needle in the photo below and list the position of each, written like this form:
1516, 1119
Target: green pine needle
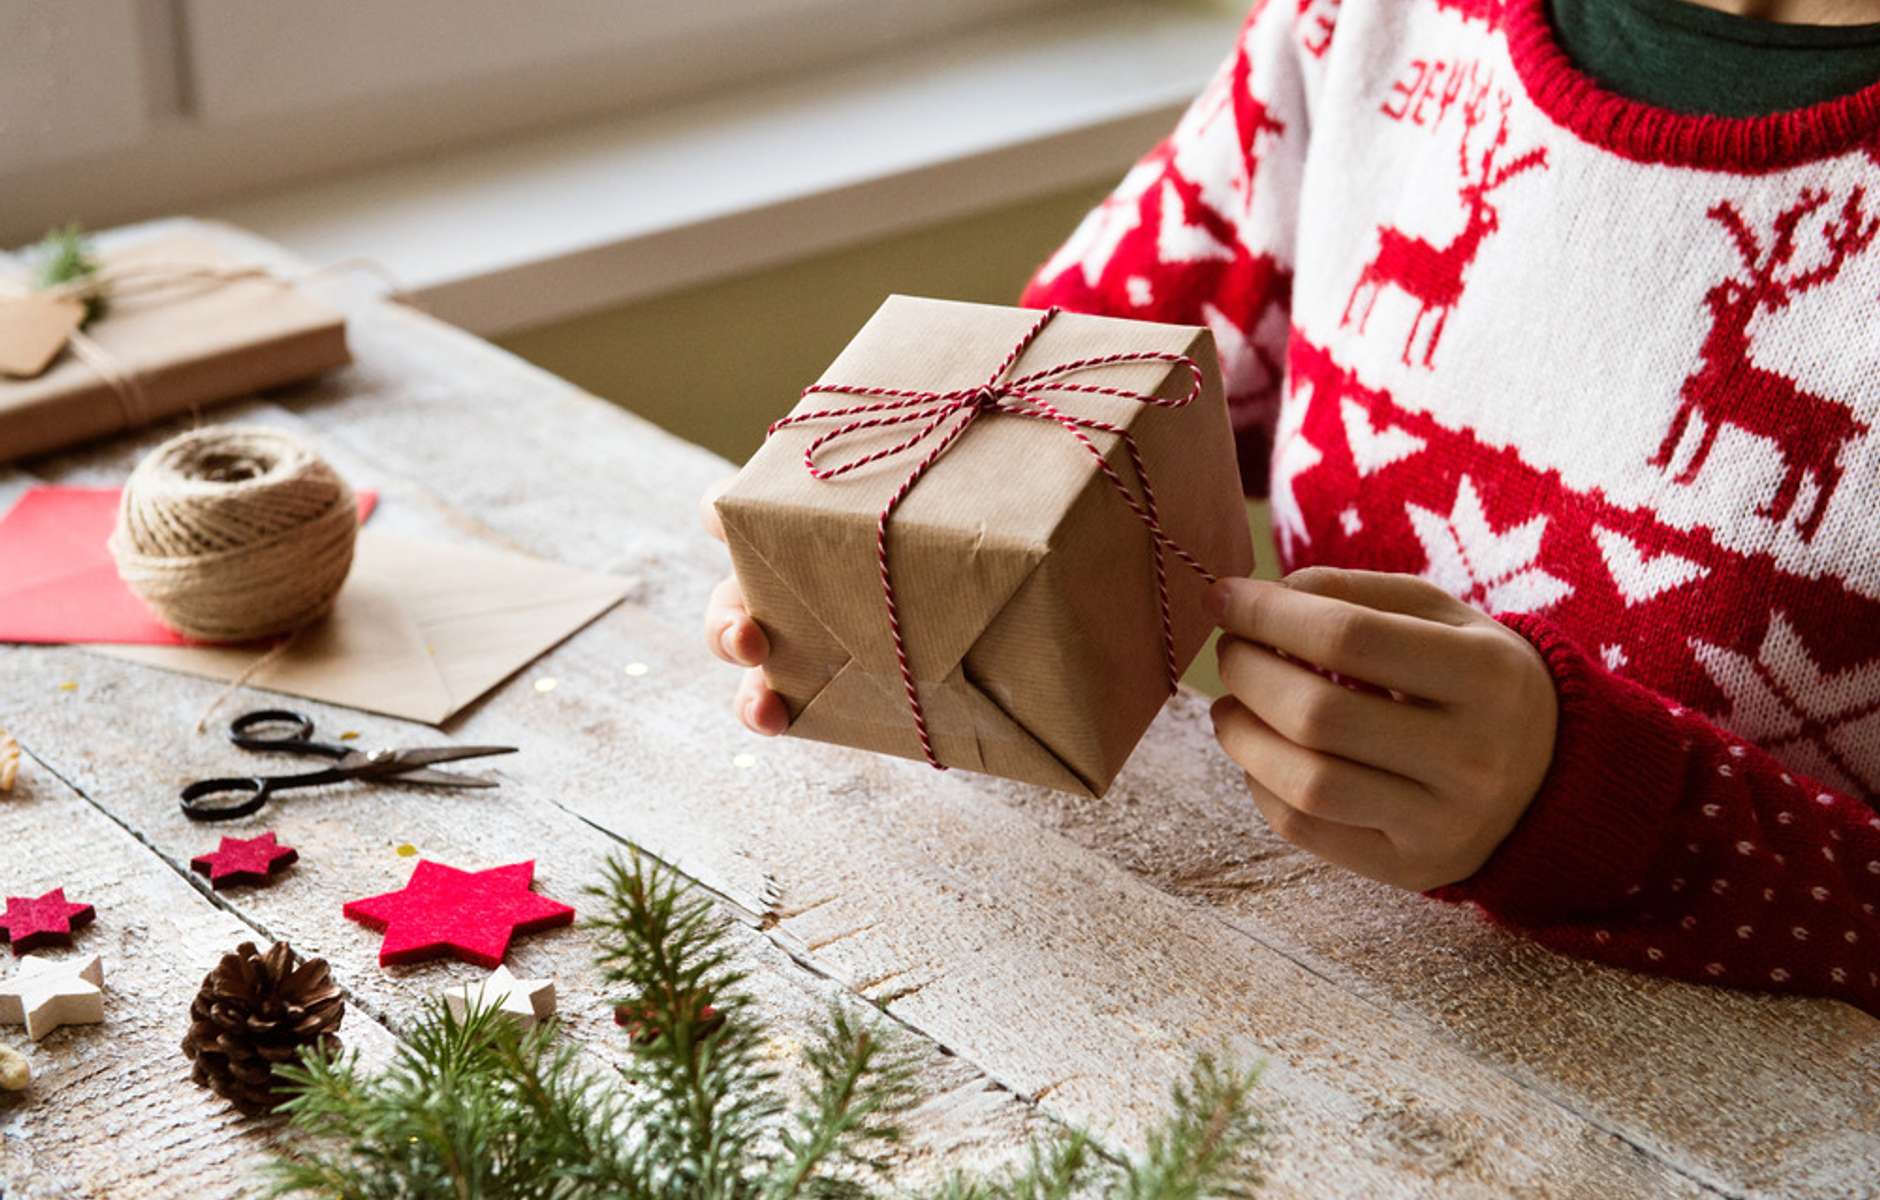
65, 256
474, 1109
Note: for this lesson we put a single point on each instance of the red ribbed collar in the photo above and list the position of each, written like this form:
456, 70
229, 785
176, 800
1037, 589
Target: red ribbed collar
1646, 133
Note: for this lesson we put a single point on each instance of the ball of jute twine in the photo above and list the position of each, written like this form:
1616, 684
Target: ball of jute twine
231, 534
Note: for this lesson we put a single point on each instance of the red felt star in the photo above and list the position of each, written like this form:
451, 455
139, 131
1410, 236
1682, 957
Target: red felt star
471, 914
253, 860
48, 920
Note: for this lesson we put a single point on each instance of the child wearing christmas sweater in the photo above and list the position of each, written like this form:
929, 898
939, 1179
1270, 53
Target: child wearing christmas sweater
1551, 329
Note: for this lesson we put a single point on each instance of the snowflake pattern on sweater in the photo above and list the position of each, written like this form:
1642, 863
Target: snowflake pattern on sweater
1607, 372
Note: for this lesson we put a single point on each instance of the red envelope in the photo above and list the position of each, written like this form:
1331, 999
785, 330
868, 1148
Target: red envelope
57, 580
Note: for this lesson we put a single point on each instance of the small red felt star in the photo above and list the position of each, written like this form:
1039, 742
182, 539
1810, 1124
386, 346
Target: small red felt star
253, 860
471, 914
47, 920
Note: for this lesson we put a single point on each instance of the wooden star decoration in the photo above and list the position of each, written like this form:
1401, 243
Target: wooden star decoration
471, 914
524, 1001
42, 921
255, 860
44, 994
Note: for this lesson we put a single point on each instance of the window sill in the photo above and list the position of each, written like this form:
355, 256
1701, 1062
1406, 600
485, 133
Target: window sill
524, 233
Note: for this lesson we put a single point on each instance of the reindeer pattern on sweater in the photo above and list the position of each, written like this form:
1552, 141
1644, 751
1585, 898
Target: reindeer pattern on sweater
1610, 373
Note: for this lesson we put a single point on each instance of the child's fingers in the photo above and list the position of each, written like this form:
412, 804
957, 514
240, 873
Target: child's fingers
1386, 591
1314, 712
760, 709
1365, 851
1404, 653
729, 630
1318, 785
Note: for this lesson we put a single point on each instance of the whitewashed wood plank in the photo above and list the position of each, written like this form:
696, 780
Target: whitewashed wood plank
111, 1111
124, 739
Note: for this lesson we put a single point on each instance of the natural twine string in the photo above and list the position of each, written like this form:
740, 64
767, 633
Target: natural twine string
231, 534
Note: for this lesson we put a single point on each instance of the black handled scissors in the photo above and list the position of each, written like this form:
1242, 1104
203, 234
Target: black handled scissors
282, 731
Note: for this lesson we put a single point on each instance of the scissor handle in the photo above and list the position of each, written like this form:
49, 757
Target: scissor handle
281, 730
225, 799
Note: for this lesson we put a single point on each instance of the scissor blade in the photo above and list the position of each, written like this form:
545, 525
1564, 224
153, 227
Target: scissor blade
439, 754
445, 779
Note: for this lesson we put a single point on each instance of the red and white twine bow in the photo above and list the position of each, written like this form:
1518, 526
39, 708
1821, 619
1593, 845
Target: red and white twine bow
950, 414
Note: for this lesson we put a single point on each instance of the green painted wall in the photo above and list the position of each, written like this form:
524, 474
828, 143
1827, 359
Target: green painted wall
715, 364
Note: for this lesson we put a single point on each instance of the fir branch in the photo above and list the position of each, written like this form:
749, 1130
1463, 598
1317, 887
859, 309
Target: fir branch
842, 1130
1210, 1146
710, 1097
475, 1109
65, 256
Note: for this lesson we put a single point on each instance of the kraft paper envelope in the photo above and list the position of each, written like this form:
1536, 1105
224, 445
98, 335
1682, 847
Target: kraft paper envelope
1024, 583
420, 630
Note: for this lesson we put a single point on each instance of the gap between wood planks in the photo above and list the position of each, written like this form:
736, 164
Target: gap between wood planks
725, 907
353, 1000
766, 923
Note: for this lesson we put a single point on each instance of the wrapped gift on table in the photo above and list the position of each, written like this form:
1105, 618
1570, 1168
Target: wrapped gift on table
183, 326
955, 554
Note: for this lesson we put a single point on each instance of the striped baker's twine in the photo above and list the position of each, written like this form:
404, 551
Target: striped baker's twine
935, 411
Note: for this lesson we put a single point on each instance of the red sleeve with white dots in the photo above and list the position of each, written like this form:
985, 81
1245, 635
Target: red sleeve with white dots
1661, 843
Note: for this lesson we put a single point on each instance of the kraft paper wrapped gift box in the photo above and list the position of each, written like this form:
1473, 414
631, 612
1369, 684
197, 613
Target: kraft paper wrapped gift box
170, 348
1024, 583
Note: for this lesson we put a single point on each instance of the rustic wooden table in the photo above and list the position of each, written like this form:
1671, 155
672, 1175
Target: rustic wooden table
1062, 958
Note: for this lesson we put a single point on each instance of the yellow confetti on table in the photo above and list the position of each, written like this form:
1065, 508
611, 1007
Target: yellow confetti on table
349, 735
636, 669
406, 850
70, 685
744, 760
545, 685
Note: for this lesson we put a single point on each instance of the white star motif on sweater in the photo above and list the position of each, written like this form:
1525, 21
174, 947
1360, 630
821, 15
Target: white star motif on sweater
1821, 724
1474, 563
1292, 456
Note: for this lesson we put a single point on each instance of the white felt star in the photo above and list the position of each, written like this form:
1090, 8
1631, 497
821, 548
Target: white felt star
45, 994
524, 1001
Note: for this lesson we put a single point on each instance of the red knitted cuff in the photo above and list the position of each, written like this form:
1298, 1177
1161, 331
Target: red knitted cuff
1597, 822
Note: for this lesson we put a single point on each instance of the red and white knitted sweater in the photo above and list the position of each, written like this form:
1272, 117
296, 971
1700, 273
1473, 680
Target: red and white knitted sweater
1608, 372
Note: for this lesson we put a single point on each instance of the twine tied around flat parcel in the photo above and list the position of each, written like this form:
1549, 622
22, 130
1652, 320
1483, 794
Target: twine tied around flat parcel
951, 413
154, 279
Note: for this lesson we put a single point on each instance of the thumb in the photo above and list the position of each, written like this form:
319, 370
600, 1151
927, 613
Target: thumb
708, 507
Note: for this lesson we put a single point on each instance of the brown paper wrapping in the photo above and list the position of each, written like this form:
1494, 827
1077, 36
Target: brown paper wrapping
187, 348
1025, 585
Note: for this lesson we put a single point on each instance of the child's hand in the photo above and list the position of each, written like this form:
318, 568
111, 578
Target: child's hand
736, 638
1415, 792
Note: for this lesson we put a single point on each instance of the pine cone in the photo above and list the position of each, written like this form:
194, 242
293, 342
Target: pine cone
256, 1010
